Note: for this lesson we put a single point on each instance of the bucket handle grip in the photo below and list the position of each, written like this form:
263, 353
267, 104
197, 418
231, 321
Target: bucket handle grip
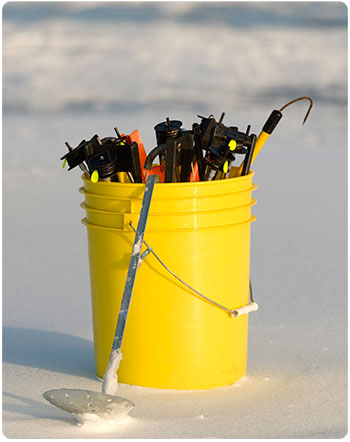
235, 313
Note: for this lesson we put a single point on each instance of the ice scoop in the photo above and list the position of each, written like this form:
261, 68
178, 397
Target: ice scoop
106, 404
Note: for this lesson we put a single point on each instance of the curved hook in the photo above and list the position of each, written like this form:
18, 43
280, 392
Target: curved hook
298, 99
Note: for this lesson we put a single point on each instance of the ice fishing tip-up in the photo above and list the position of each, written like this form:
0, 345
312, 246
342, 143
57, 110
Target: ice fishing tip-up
204, 153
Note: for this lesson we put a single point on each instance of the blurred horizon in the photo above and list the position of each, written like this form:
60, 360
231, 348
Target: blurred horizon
315, 14
128, 56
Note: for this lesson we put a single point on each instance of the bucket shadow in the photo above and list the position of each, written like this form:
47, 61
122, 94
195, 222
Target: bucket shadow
49, 350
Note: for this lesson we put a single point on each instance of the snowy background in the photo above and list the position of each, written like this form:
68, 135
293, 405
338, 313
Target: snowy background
71, 70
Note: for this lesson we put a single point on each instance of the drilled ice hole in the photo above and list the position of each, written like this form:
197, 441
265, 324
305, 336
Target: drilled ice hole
66, 395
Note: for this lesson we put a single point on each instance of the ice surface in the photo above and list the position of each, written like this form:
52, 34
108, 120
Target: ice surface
298, 258
296, 383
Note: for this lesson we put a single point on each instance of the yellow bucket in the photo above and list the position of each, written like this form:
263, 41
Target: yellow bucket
173, 338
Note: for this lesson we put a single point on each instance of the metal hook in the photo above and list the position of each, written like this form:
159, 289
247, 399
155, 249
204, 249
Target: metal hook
298, 99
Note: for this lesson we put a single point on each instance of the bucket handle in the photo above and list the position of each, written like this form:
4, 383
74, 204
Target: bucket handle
235, 313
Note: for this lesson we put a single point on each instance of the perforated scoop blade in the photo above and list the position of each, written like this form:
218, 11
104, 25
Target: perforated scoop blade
79, 402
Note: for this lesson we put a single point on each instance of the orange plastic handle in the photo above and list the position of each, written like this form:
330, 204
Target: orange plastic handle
195, 173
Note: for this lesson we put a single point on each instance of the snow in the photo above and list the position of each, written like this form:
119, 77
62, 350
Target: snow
95, 423
138, 245
296, 382
110, 380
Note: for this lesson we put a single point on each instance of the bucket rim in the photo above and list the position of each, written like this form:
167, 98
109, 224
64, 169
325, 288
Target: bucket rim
134, 186
87, 223
253, 202
84, 192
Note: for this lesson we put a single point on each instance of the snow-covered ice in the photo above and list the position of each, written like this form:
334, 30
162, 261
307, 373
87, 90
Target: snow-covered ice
298, 270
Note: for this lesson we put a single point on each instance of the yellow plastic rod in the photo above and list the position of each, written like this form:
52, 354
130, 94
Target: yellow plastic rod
267, 130
263, 136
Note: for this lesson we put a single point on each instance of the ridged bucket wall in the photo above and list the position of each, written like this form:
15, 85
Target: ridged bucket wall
173, 338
